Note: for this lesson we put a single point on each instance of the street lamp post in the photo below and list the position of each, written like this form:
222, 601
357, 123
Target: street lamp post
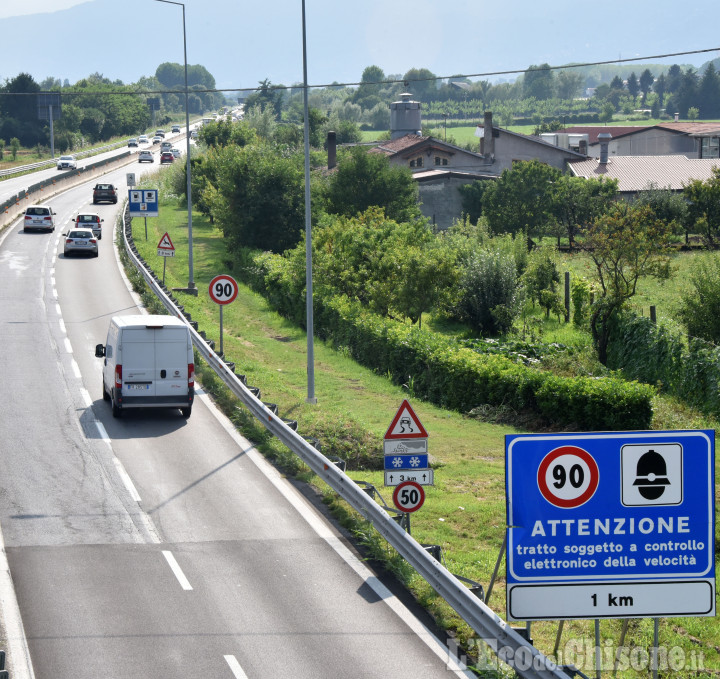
308, 231
191, 288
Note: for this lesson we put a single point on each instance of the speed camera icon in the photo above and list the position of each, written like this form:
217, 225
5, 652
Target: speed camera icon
652, 474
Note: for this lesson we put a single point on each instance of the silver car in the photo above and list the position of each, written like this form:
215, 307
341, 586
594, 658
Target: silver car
80, 240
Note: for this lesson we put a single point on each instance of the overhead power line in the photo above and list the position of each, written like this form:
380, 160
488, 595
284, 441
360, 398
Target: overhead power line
406, 81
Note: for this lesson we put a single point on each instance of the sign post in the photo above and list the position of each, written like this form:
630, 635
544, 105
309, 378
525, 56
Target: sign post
610, 525
223, 289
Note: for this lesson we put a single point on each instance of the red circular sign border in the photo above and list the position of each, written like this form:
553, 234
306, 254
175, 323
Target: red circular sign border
223, 277
594, 477
404, 484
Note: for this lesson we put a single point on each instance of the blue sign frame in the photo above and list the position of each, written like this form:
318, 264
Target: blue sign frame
404, 461
143, 202
614, 511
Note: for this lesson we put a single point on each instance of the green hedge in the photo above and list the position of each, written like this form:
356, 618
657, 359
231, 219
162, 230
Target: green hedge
445, 373
651, 354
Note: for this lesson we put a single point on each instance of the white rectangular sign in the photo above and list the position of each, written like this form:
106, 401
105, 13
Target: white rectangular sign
424, 477
611, 600
405, 446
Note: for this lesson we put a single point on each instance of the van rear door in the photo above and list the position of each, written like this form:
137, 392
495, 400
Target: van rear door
171, 362
138, 362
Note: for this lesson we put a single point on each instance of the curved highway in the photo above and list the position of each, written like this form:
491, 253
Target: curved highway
152, 546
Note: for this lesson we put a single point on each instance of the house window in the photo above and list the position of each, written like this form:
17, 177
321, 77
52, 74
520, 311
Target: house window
440, 161
710, 147
419, 161
412, 163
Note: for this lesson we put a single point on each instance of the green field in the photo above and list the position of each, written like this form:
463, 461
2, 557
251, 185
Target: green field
464, 512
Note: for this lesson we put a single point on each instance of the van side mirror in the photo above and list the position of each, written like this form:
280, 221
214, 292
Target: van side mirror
99, 350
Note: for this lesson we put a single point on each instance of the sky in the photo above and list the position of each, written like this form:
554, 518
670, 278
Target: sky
243, 42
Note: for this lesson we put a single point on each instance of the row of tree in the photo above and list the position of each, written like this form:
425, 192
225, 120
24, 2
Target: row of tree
97, 109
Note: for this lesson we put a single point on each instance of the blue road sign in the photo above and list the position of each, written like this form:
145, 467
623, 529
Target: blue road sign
406, 461
143, 202
610, 524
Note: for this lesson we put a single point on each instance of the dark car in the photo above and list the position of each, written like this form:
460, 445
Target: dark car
167, 157
175, 129
104, 192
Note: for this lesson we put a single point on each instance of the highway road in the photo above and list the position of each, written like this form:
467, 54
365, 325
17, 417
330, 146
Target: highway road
152, 546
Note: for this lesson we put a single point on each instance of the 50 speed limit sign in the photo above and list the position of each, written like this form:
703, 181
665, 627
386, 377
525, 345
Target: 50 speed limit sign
223, 289
409, 496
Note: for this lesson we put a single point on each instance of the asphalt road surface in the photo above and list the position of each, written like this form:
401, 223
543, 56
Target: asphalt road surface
152, 546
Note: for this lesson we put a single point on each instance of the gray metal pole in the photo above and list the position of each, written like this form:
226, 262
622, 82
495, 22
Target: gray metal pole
308, 231
191, 288
52, 132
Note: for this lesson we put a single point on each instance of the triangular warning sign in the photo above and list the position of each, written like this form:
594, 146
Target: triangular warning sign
165, 243
405, 424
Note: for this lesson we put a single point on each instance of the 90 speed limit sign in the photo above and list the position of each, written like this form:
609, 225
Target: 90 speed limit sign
568, 477
408, 496
223, 289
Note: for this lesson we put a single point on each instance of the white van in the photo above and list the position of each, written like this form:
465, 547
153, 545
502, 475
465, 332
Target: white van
149, 363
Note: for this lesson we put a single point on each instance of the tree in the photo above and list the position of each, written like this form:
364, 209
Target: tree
667, 205
260, 201
14, 147
521, 198
703, 199
687, 94
364, 180
625, 245
660, 88
633, 85
709, 93
538, 82
646, 82
267, 95
568, 84
698, 309
422, 83
617, 83
368, 92
577, 201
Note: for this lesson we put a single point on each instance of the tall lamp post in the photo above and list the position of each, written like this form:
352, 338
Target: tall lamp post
308, 231
191, 288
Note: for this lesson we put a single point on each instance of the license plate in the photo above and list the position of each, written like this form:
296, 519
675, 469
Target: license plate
137, 386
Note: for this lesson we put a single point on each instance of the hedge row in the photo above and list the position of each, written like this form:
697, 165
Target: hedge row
447, 374
652, 354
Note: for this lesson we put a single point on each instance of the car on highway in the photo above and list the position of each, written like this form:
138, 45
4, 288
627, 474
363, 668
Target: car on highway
105, 192
160, 133
167, 157
165, 146
175, 129
143, 139
67, 163
90, 220
132, 142
156, 139
80, 240
176, 152
39, 218
145, 157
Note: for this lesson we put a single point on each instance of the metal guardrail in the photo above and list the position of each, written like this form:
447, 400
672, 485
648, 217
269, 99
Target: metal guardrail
508, 645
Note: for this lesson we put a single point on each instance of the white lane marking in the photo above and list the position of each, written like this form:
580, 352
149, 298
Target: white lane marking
78, 375
175, 567
84, 392
68, 346
235, 667
61, 321
324, 531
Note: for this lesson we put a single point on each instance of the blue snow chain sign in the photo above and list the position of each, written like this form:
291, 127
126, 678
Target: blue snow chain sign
610, 525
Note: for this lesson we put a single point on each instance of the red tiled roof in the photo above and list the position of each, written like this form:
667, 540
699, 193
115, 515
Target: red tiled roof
397, 145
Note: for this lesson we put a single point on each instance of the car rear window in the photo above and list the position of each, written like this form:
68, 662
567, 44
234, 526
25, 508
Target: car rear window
38, 211
80, 234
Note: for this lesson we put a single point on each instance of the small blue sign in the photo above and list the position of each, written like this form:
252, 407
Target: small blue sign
406, 461
143, 202
613, 511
